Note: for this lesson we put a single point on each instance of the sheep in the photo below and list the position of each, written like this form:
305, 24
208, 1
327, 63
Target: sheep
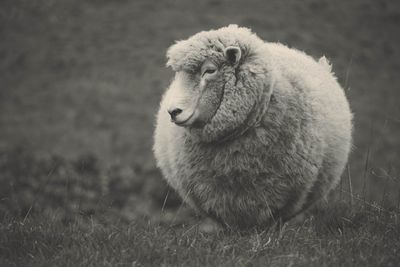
250, 133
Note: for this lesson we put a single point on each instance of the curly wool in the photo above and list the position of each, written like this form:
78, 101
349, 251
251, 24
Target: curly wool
289, 150
189, 54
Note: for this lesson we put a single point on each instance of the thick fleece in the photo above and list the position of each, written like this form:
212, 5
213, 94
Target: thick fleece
278, 142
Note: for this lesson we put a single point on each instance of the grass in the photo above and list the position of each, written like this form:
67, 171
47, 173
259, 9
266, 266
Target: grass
60, 212
340, 237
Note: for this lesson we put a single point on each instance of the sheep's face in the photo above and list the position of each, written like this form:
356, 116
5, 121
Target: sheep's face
220, 85
194, 97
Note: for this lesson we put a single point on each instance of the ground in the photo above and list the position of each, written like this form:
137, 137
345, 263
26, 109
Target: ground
339, 238
80, 86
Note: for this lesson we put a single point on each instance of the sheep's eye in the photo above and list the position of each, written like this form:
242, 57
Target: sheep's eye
209, 71
208, 68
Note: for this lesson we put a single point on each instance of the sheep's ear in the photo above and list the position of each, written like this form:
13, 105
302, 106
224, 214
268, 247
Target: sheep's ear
233, 54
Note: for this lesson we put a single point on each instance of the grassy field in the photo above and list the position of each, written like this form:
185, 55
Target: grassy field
80, 83
341, 237
58, 212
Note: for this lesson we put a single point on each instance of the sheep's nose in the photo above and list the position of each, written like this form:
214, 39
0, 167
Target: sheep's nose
174, 112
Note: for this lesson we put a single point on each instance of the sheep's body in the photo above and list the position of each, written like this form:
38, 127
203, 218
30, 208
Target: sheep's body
293, 156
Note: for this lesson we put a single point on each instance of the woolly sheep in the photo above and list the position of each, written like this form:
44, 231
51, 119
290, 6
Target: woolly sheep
250, 133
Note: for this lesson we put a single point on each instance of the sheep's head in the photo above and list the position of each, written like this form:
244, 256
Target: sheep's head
222, 82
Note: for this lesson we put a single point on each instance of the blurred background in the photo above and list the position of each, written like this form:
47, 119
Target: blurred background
80, 83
